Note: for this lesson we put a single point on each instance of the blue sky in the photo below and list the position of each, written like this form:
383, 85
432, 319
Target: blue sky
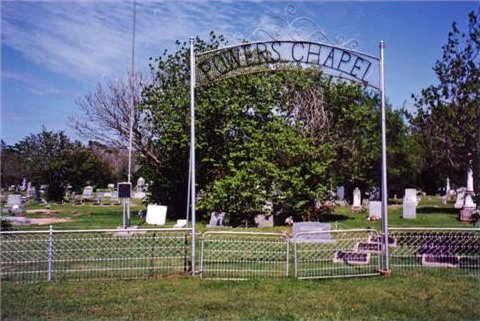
55, 52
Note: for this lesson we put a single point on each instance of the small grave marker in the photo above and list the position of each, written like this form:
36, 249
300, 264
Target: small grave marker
217, 219
262, 220
374, 210
349, 257
156, 214
322, 235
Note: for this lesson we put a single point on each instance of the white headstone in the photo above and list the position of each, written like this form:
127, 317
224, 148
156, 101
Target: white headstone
156, 214
87, 192
264, 220
410, 196
357, 198
217, 219
14, 200
460, 198
181, 223
447, 188
375, 210
111, 187
470, 180
410, 204
141, 182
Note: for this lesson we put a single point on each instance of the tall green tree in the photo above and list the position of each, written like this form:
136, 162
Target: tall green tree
446, 123
260, 137
249, 151
12, 166
51, 158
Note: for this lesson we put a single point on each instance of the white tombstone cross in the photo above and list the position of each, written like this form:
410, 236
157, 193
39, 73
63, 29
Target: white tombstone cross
410, 202
357, 198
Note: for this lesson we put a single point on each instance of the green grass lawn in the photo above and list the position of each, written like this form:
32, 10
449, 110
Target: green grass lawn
409, 296
430, 213
418, 294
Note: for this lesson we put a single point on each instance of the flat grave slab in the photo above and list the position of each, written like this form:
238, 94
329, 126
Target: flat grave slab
312, 232
451, 261
379, 239
350, 257
364, 247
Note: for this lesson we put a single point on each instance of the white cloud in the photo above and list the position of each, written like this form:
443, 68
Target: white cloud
93, 39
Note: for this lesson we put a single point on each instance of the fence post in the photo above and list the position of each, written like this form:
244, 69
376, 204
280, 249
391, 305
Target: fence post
50, 253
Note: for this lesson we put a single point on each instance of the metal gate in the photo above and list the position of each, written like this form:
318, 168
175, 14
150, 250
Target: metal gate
38, 256
244, 255
450, 250
337, 253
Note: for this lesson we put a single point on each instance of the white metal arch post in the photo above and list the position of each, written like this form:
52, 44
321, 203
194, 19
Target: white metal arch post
384, 161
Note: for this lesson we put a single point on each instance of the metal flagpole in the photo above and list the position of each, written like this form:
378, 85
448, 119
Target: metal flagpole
192, 145
384, 160
132, 110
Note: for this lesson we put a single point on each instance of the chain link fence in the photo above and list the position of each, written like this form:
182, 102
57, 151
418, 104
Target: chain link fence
36, 256
448, 249
337, 253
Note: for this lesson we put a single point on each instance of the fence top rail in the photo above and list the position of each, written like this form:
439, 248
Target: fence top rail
130, 231
244, 233
456, 229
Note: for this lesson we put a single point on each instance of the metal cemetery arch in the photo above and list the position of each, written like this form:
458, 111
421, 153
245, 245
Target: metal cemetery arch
336, 61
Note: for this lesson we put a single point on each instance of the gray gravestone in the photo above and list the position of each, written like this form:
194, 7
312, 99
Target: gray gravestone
217, 219
375, 210
14, 199
460, 198
304, 232
264, 220
87, 193
341, 193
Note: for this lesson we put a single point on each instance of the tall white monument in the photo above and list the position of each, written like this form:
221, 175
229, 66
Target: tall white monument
469, 207
357, 200
470, 180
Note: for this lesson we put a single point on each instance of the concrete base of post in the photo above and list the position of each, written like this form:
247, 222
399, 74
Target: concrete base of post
386, 273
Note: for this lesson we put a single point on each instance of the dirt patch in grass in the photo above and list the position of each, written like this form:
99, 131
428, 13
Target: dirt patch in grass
49, 220
42, 212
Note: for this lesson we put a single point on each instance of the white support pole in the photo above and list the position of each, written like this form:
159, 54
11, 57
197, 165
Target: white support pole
192, 145
384, 161
132, 110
